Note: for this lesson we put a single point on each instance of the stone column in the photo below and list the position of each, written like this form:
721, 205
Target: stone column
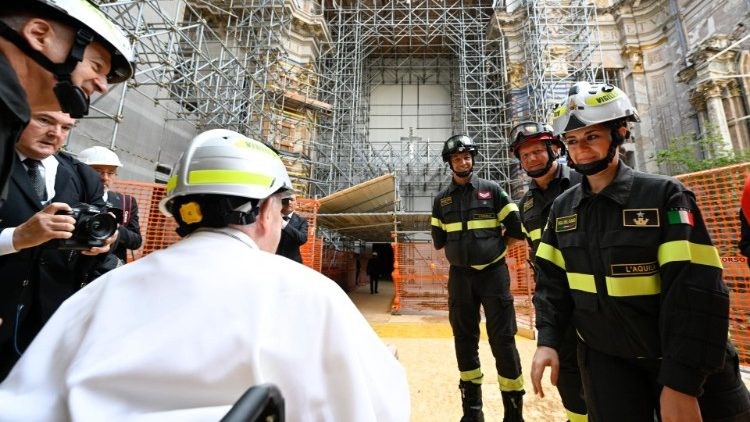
712, 90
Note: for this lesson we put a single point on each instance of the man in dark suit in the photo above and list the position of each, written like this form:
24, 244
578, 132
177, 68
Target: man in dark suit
293, 230
106, 163
36, 276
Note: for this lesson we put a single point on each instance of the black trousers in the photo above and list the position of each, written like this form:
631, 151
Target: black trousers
569, 377
467, 290
626, 390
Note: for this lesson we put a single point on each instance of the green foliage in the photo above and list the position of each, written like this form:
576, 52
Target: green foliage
691, 152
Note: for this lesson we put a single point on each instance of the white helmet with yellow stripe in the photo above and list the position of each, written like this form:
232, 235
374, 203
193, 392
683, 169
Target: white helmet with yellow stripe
590, 104
223, 164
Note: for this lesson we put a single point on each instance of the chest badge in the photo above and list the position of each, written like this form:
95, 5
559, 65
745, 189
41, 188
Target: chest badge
641, 217
484, 195
529, 204
567, 223
445, 201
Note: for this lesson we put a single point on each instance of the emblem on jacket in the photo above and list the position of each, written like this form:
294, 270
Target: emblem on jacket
484, 195
642, 217
567, 223
445, 201
529, 204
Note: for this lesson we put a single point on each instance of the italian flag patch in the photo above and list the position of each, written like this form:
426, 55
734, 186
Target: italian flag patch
680, 216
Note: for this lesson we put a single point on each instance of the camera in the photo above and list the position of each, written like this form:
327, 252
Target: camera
93, 226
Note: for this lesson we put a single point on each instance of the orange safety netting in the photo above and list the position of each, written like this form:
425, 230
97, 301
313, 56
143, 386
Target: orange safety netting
420, 280
718, 193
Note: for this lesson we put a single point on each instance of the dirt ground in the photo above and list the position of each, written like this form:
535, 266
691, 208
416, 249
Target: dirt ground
425, 348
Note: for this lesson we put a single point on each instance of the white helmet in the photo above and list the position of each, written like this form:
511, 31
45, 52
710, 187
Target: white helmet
223, 162
83, 13
589, 104
99, 156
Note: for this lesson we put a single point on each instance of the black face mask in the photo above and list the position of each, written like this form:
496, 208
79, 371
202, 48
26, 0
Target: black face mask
73, 100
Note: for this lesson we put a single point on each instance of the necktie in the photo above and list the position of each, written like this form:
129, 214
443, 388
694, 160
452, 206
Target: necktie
35, 175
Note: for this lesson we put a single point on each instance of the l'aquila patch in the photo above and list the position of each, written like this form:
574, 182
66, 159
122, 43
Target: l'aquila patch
445, 201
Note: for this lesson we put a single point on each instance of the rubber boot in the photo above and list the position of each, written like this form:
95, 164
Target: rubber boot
513, 404
471, 400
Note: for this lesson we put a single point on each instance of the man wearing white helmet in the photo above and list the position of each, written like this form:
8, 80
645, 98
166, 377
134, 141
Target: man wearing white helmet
181, 333
627, 259
106, 163
54, 54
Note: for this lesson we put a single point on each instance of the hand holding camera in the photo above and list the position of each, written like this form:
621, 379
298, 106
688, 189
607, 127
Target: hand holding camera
44, 226
94, 228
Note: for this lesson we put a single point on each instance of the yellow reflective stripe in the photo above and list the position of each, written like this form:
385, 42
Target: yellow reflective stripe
482, 224
582, 282
535, 234
236, 177
576, 417
551, 254
171, 183
684, 250
483, 266
507, 210
634, 286
523, 229
507, 384
453, 227
475, 376
435, 222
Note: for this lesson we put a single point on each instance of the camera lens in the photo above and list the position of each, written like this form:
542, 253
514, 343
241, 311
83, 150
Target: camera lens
101, 226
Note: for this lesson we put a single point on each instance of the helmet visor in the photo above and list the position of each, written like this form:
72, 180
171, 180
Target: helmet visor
530, 129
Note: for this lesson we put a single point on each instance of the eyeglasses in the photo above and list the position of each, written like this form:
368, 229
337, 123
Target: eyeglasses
46, 122
530, 129
109, 173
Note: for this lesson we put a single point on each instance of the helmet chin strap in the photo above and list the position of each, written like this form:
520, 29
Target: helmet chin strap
73, 100
590, 169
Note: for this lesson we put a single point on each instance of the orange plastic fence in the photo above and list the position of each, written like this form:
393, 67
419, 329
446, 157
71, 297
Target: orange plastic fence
420, 277
718, 193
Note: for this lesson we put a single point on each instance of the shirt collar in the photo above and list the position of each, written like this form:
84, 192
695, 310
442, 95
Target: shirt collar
233, 233
618, 189
561, 175
472, 181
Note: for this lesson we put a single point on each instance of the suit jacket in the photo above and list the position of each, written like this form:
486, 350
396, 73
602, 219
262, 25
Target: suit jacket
35, 281
293, 236
129, 231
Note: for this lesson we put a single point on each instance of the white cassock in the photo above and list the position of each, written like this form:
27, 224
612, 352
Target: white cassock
181, 334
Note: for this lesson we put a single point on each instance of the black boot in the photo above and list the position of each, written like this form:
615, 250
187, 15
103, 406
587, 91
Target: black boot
513, 404
471, 400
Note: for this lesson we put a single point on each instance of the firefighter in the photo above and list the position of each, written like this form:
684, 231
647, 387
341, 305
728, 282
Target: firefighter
468, 218
627, 258
537, 150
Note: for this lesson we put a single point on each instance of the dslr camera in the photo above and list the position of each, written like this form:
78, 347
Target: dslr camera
93, 226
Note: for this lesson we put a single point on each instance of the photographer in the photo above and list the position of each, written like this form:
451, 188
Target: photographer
37, 276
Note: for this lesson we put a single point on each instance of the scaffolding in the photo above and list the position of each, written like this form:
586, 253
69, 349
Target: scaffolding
415, 43
237, 64
561, 46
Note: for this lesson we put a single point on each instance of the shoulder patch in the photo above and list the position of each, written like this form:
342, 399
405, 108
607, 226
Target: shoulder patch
446, 200
484, 195
680, 216
641, 217
566, 223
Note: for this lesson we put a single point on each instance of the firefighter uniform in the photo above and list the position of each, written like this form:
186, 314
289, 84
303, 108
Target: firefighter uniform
534, 207
468, 221
634, 268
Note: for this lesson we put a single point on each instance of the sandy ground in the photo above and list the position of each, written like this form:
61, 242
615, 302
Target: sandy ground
425, 348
